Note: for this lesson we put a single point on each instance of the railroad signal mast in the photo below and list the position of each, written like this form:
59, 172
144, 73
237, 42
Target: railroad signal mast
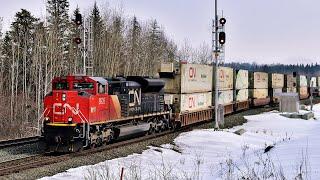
86, 30
218, 56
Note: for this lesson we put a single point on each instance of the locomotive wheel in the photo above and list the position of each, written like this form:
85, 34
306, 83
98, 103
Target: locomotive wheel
151, 130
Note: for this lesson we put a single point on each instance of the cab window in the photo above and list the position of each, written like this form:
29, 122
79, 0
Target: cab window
83, 86
61, 86
102, 89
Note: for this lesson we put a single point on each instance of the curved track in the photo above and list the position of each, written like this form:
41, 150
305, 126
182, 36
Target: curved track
15, 166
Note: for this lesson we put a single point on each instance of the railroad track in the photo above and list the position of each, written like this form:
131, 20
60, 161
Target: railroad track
19, 142
18, 165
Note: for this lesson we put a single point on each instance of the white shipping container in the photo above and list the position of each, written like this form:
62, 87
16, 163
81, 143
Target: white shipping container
258, 93
303, 91
276, 92
242, 95
313, 82
192, 102
277, 80
260, 80
318, 80
303, 81
166, 67
291, 81
292, 90
190, 78
242, 79
225, 97
225, 76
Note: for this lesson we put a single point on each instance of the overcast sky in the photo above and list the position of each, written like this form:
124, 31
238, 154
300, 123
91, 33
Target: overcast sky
280, 31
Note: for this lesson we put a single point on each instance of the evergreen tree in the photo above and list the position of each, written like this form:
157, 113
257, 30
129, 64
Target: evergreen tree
59, 25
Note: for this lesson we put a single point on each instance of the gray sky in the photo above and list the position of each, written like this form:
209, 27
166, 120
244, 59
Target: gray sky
280, 31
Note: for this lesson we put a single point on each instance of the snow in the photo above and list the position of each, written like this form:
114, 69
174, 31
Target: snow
209, 154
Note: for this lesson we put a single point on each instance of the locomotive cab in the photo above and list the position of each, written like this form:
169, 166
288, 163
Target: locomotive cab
73, 102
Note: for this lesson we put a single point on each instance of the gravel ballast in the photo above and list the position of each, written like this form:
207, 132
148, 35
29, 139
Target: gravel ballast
49, 170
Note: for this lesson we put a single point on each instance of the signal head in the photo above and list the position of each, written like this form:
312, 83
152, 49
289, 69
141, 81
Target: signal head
222, 21
222, 38
78, 19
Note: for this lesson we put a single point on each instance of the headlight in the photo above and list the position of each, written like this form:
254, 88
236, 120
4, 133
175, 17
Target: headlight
64, 97
70, 120
46, 119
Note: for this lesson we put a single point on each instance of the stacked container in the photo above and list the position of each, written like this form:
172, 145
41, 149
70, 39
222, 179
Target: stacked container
318, 85
258, 88
276, 84
313, 86
241, 92
188, 91
225, 88
302, 86
290, 85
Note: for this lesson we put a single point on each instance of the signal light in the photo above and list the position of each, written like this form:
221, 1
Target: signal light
77, 40
78, 19
222, 21
222, 38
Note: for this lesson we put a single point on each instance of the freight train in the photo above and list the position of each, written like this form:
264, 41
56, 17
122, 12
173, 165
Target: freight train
83, 112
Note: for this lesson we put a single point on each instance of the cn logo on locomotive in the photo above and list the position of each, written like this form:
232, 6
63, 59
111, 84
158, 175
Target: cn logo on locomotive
60, 109
102, 101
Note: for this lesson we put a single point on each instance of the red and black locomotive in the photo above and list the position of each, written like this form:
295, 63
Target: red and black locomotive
83, 111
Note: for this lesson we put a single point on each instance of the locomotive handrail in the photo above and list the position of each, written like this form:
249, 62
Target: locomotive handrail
41, 117
84, 120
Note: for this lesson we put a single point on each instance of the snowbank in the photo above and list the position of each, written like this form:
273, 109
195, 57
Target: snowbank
209, 154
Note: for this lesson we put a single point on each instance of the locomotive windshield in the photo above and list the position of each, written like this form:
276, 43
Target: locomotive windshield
83, 86
61, 86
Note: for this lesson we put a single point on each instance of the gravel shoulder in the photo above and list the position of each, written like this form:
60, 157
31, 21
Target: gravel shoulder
17, 152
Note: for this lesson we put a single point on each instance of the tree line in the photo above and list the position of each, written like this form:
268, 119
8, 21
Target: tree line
33, 51
303, 69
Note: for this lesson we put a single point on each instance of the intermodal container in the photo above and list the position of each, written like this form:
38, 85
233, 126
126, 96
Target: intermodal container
276, 80
303, 92
241, 95
290, 90
225, 97
313, 82
258, 93
186, 78
241, 79
318, 81
302, 81
290, 81
275, 93
258, 80
189, 102
225, 76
